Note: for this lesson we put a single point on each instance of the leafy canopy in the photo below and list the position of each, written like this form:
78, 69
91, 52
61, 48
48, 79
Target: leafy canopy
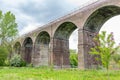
8, 27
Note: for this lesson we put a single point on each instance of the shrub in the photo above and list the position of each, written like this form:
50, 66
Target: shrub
7, 62
29, 65
17, 61
73, 59
3, 55
116, 58
104, 47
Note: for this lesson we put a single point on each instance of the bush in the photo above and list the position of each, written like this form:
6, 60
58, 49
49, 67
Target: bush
29, 65
17, 61
116, 58
73, 59
3, 55
7, 62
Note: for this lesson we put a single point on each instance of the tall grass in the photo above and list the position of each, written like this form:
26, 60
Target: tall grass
12, 73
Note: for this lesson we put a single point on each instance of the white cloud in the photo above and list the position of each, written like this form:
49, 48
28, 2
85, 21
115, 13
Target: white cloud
14, 3
29, 28
77, 3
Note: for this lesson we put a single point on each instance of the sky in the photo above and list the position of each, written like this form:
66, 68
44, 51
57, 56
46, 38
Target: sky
31, 14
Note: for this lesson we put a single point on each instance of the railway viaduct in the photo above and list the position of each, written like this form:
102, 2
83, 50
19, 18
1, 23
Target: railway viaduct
49, 44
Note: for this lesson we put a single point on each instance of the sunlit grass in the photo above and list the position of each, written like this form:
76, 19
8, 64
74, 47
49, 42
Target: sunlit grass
7, 73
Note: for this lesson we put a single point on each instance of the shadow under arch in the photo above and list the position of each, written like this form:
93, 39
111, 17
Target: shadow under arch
27, 49
92, 27
61, 44
100, 16
17, 48
41, 55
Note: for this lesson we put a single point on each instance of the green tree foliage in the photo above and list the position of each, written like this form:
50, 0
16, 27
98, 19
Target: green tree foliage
8, 28
73, 59
8, 31
105, 47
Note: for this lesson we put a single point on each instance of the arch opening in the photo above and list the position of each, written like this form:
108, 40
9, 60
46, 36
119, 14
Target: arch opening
73, 48
61, 51
28, 47
100, 16
17, 48
42, 49
92, 27
112, 25
65, 30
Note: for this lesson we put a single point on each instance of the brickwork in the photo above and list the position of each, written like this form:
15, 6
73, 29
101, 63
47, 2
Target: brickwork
61, 53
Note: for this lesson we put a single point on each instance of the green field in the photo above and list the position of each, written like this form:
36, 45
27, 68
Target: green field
7, 73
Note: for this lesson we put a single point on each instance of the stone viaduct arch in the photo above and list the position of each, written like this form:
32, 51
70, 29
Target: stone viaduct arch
61, 44
27, 48
41, 49
93, 25
50, 42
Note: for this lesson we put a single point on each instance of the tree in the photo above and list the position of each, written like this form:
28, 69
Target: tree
8, 28
105, 48
8, 31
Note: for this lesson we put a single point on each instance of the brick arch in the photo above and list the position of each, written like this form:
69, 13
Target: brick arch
61, 44
27, 49
95, 21
41, 34
41, 49
64, 30
91, 28
17, 48
24, 38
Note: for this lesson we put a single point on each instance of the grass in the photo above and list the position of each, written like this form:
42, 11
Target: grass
10, 73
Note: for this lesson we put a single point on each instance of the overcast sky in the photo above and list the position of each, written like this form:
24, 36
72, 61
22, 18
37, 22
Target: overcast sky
32, 13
